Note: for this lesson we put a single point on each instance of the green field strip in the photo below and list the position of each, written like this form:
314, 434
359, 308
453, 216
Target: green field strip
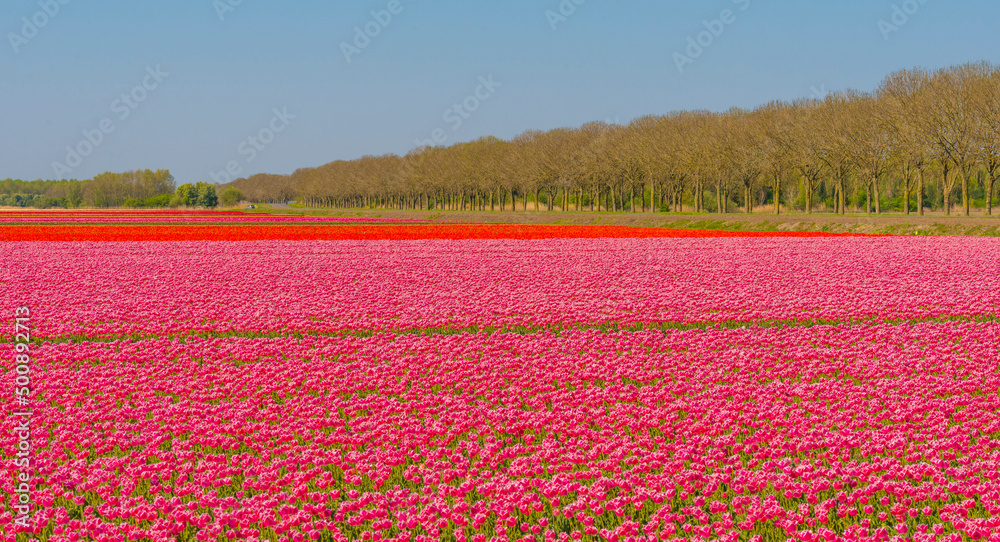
607, 327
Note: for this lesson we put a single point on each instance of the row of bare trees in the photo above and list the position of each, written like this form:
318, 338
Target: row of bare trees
921, 139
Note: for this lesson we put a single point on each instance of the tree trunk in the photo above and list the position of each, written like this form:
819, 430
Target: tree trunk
777, 195
906, 194
920, 191
878, 196
989, 193
965, 189
946, 191
842, 195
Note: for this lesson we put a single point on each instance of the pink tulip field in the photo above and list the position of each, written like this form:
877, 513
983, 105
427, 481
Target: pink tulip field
502, 390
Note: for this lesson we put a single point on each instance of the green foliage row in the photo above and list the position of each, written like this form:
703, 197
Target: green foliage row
132, 189
141, 189
198, 194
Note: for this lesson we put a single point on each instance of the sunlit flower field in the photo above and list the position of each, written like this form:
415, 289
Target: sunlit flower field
393, 382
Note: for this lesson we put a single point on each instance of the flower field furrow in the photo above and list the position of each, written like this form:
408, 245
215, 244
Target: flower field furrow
801, 433
122, 289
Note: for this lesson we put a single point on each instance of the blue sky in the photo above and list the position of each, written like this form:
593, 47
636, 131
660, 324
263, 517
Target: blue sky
218, 74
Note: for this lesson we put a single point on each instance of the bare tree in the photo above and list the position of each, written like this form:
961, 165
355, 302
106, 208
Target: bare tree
902, 97
869, 144
778, 121
949, 123
742, 142
986, 108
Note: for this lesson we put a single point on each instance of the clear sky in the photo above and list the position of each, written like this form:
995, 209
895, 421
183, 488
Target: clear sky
186, 84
